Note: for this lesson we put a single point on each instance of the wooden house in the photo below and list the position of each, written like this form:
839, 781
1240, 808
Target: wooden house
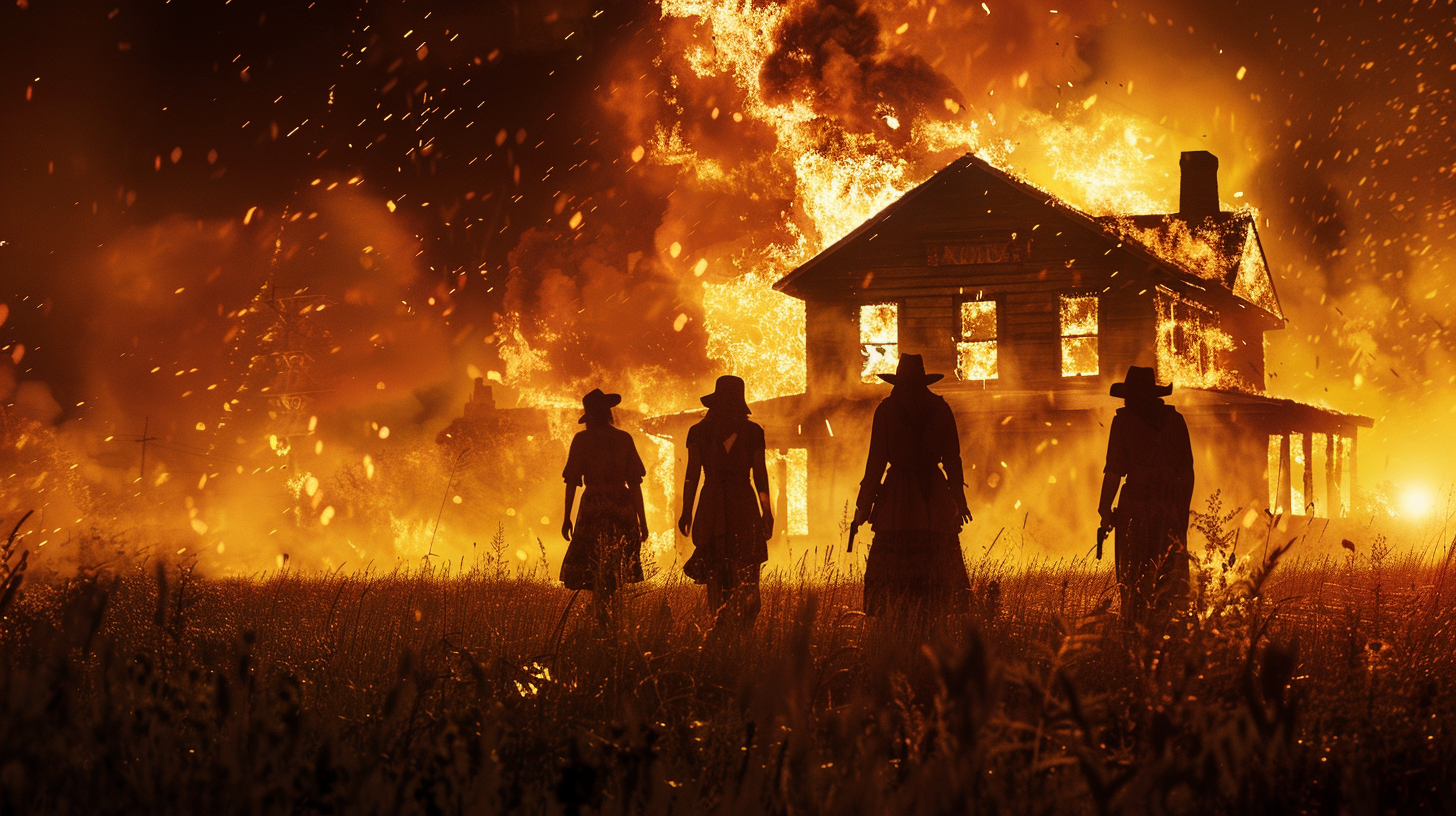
1032, 308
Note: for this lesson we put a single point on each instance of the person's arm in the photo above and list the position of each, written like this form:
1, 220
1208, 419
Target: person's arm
760, 480
572, 475
1111, 474
1183, 459
690, 491
951, 461
1110, 484
879, 458
566, 514
636, 472
641, 509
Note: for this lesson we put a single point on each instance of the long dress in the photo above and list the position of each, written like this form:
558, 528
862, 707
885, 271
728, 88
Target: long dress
1149, 446
728, 536
606, 545
915, 560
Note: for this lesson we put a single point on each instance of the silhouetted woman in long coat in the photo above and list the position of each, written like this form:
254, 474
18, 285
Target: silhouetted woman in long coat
1148, 446
611, 524
913, 495
733, 520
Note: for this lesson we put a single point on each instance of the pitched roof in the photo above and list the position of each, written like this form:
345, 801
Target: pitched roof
1144, 237
1224, 248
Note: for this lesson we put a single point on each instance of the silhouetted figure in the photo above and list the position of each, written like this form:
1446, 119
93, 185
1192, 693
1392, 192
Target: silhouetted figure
917, 511
733, 521
1148, 446
606, 542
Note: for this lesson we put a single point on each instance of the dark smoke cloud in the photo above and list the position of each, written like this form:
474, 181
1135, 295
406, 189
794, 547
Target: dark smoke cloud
603, 307
834, 54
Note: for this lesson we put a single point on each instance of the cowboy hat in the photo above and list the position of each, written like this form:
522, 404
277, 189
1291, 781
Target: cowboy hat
595, 401
727, 394
1140, 383
911, 371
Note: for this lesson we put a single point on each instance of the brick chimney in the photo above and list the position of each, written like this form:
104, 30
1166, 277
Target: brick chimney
1198, 185
481, 403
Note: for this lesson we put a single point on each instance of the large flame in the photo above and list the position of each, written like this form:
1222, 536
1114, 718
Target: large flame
747, 137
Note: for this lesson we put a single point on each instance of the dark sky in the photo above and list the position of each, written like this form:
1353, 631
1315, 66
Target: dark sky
122, 115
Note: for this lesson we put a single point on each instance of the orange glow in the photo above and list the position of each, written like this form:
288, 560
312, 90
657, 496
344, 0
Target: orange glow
976, 350
1417, 501
879, 337
1190, 345
1079, 336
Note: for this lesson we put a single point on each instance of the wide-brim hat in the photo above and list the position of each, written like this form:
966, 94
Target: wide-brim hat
727, 394
596, 402
911, 371
1140, 383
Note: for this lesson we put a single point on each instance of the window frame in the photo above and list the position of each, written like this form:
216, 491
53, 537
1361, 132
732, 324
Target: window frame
899, 304
1207, 355
957, 338
1096, 336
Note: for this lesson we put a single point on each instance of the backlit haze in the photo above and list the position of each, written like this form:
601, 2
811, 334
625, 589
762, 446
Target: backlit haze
368, 204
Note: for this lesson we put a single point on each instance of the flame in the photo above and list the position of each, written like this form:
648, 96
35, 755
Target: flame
790, 469
1254, 283
977, 348
1191, 247
1191, 346
758, 332
661, 519
879, 337
838, 178
1275, 472
1297, 500
1089, 161
1079, 336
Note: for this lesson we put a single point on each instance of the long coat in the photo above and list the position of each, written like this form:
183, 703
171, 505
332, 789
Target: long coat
914, 435
606, 543
728, 528
1148, 445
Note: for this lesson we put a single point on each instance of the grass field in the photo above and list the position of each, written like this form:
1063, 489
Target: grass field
1322, 686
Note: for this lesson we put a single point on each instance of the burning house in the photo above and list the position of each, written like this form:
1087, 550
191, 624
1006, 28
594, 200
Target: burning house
1032, 308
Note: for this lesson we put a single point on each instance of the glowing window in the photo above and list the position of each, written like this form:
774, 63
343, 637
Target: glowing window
1079, 336
1190, 344
879, 338
976, 341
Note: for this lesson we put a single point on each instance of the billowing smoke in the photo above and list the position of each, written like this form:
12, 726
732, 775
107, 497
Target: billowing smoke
292, 291
833, 56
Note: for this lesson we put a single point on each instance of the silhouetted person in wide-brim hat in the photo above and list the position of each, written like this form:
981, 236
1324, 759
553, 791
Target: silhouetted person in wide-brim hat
913, 495
611, 524
731, 521
910, 372
728, 394
1148, 446
597, 405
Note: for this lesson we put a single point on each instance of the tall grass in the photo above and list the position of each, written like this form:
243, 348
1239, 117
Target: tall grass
1292, 686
